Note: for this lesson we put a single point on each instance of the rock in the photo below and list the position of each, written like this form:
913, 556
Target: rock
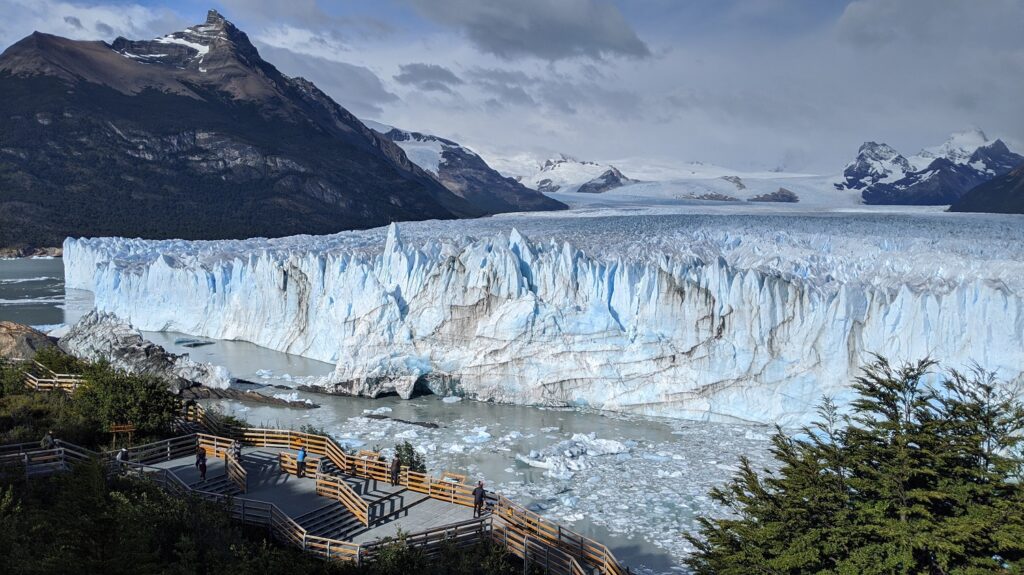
104, 336
203, 392
780, 195
30, 252
736, 181
19, 341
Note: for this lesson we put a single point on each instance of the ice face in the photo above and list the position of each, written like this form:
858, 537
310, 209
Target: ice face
738, 317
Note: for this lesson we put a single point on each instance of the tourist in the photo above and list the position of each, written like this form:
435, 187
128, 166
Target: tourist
200, 455
236, 450
478, 499
396, 470
300, 462
47, 441
202, 469
122, 457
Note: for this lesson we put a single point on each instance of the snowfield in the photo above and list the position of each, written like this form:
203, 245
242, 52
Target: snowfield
748, 316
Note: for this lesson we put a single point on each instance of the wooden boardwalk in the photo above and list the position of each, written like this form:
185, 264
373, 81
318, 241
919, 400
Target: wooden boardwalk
393, 508
345, 508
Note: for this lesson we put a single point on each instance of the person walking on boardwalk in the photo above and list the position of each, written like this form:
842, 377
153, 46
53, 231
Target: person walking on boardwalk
396, 470
300, 462
200, 455
202, 469
478, 499
236, 450
47, 441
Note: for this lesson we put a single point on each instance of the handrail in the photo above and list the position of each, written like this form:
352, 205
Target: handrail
340, 491
236, 473
163, 450
589, 554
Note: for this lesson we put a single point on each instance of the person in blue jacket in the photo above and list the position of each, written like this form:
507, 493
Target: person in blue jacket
300, 462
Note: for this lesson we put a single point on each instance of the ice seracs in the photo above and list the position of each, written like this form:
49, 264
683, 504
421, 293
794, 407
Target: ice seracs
724, 318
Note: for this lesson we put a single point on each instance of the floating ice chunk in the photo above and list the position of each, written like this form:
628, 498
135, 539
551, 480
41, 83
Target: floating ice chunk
264, 373
756, 436
478, 435
292, 398
407, 434
451, 399
378, 411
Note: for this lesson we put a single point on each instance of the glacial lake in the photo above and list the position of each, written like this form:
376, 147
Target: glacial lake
639, 501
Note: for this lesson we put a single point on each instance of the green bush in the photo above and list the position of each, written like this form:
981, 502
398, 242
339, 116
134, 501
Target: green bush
60, 362
917, 479
114, 398
409, 457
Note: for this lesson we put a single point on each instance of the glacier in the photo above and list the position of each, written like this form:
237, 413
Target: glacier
724, 317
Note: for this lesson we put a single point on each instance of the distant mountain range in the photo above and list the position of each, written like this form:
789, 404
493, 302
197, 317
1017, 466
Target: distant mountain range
935, 176
193, 135
566, 174
465, 173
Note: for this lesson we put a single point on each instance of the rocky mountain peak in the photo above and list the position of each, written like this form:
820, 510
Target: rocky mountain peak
216, 43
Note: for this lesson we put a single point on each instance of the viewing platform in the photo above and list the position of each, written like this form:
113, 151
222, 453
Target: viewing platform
346, 506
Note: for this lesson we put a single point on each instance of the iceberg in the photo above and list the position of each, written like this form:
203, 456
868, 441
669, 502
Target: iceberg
716, 317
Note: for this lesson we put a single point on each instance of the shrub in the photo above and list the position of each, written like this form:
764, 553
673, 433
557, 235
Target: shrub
409, 457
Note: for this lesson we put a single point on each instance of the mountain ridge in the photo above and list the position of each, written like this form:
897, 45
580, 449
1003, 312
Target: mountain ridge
191, 135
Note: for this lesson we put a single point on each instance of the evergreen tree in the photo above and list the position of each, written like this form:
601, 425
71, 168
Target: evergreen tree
916, 479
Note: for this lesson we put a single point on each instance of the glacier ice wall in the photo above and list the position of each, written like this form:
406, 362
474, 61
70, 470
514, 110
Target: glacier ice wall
708, 317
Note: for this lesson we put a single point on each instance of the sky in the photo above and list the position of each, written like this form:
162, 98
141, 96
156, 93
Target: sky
796, 85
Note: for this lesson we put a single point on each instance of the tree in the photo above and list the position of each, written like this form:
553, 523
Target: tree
409, 457
112, 397
916, 479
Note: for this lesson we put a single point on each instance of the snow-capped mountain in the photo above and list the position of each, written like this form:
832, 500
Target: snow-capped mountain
875, 163
465, 173
934, 176
566, 174
612, 178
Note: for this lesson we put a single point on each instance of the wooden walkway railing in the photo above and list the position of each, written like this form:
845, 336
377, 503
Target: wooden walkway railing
511, 525
519, 530
41, 378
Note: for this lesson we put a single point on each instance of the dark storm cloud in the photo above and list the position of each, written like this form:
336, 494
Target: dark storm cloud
356, 88
104, 29
428, 77
74, 22
539, 28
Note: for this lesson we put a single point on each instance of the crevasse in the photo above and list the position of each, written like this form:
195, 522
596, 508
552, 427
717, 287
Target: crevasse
724, 329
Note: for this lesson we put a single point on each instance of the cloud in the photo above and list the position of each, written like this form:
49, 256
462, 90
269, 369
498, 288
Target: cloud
307, 14
356, 88
85, 21
539, 28
428, 77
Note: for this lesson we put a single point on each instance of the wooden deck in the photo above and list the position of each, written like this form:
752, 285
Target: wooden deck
393, 508
342, 510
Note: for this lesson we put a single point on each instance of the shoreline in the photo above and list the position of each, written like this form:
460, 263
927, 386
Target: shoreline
9, 253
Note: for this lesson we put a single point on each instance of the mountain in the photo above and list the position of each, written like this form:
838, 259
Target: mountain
612, 178
875, 163
934, 176
466, 174
191, 135
567, 174
1003, 194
